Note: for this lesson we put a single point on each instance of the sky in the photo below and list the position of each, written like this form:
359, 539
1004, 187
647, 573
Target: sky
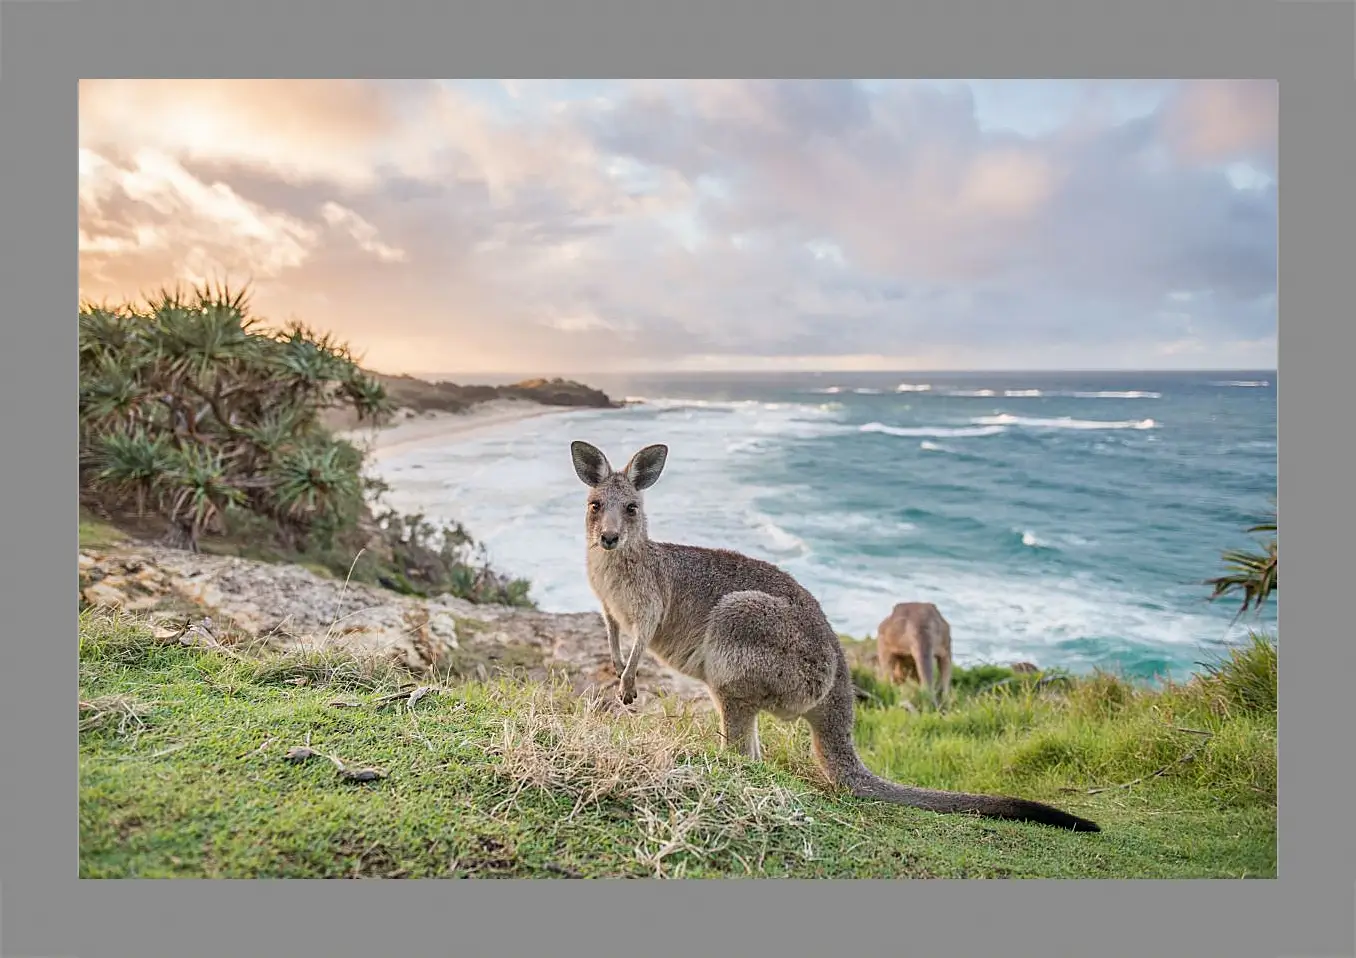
550, 227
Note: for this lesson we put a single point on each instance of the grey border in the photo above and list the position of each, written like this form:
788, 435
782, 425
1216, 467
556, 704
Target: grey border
48, 912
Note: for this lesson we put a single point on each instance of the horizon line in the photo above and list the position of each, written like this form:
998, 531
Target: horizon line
843, 372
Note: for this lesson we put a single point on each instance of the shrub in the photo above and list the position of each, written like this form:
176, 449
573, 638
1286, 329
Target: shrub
437, 560
193, 411
188, 407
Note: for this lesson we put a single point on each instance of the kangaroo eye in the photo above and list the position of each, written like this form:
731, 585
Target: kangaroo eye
595, 506
631, 509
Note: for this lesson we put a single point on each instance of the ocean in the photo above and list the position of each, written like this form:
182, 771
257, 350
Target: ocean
1066, 519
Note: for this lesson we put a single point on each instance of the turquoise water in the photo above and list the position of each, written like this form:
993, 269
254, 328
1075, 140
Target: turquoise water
1067, 519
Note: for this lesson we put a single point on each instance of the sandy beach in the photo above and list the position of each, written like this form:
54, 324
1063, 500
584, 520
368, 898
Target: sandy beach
441, 426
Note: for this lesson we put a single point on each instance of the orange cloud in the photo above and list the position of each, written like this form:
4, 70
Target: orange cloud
297, 130
154, 209
1222, 120
1007, 183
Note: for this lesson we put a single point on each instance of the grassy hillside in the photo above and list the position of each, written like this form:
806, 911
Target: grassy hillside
183, 774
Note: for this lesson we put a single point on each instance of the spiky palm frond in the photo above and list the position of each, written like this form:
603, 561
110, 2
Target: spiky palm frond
308, 363
220, 296
131, 462
1253, 574
278, 429
307, 367
194, 338
103, 332
367, 396
113, 391
198, 488
314, 480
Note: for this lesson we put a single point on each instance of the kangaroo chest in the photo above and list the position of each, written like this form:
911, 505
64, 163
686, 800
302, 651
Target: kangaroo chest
627, 590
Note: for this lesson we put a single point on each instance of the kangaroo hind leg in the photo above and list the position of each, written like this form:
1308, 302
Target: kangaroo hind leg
925, 676
739, 729
758, 658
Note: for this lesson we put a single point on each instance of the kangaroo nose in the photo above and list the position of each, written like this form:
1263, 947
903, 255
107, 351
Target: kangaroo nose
609, 539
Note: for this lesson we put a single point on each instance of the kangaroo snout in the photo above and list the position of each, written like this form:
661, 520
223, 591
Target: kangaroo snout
609, 540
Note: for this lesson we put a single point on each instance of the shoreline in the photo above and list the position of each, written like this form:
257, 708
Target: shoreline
417, 430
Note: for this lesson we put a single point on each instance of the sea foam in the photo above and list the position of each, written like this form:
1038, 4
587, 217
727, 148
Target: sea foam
1064, 422
936, 431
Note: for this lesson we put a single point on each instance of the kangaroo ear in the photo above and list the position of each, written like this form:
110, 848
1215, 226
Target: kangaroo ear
590, 465
645, 466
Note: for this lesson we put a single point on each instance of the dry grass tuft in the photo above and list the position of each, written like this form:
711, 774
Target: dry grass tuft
664, 773
322, 666
104, 711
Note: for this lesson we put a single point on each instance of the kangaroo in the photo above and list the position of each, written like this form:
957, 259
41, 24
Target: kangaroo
909, 641
758, 640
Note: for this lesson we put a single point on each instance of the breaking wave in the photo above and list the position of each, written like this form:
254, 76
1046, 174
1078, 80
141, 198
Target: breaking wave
1064, 422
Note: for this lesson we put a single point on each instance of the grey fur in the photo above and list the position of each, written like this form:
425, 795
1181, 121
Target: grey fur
909, 641
751, 632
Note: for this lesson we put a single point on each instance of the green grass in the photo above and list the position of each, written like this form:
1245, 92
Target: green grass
182, 774
97, 534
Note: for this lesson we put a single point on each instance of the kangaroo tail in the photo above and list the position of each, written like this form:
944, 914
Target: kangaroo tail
831, 728
863, 784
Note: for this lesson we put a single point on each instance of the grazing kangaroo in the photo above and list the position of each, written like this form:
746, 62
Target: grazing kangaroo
757, 639
909, 641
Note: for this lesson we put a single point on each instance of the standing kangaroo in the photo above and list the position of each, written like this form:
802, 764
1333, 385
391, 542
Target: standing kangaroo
909, 641
750, 632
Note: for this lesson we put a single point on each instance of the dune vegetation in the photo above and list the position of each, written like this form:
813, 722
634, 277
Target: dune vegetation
202, 427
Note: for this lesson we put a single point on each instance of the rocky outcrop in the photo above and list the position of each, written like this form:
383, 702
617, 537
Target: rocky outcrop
422, 396
286, 606
411, 397
558, 392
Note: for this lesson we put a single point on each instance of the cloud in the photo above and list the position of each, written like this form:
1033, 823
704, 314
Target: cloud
362, 232
349, 133
554, 226
1218, 121
153, 209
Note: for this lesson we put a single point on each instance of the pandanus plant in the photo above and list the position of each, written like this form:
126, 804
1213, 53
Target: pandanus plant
189, 407
1251, 572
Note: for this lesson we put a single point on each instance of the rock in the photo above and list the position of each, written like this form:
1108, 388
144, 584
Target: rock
287, 606
148, 577
142, 603
104, 595
1023, 668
